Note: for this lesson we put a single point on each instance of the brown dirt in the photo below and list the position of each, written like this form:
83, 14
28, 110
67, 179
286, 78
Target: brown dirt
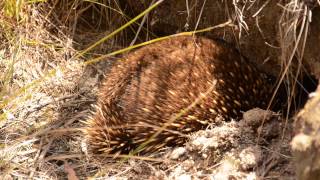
257, 35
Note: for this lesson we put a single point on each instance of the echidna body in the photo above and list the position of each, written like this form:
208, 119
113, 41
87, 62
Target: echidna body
150, 86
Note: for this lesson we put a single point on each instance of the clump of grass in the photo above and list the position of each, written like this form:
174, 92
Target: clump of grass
293, 31
42, 86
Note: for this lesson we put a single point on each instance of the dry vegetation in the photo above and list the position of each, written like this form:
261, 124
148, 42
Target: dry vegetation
53, 55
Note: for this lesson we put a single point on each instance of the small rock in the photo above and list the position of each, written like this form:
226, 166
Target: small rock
250, 157
177, 153
254, 117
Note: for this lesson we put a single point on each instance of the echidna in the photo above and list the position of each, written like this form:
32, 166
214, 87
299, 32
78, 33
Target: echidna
150, 86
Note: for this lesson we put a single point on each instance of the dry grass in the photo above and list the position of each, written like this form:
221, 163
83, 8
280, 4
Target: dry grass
293, 30
50, 65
